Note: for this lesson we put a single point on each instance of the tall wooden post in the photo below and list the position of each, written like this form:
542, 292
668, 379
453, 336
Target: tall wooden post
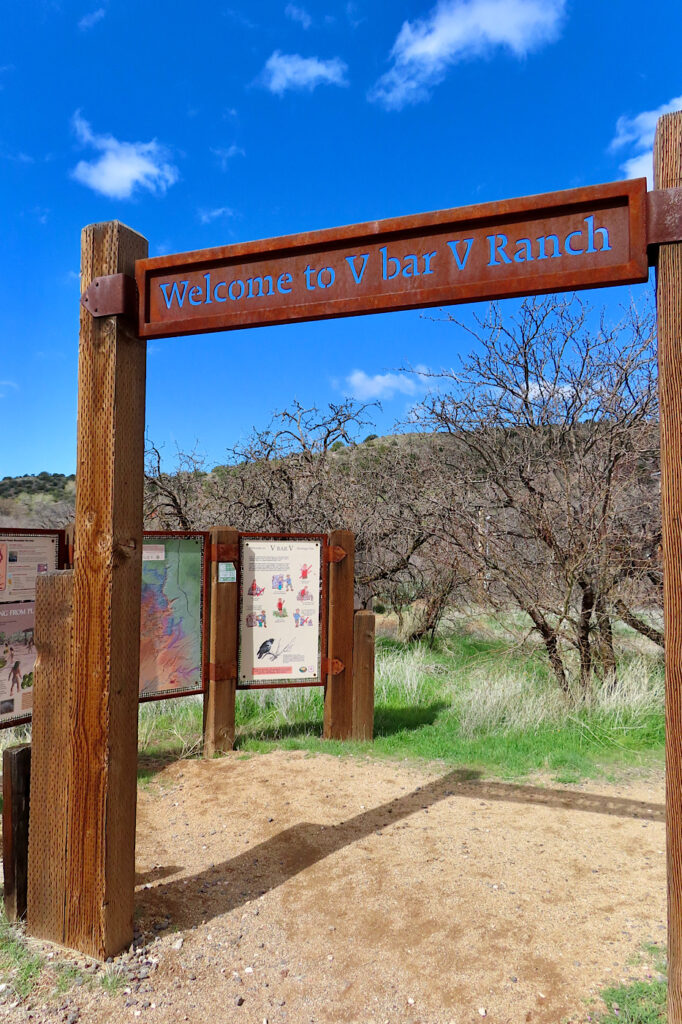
668, 174
363, 676
338, 694
219, 700
101, 690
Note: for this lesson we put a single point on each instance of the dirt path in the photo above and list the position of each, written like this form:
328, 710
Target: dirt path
298, 889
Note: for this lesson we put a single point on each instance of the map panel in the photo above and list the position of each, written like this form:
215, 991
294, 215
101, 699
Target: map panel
171, 627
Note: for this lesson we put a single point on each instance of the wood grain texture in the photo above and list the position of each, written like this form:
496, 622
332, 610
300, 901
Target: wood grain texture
219, 700
363, 675
16, 787
50, 734
338, 694
668, 174
102, 748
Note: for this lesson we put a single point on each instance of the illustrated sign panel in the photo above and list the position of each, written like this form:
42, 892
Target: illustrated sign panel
582, 238
22, 558
279, 621
171, 627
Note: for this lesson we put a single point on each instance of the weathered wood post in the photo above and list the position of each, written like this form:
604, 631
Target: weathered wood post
363, 675
101, 690
668, 174
16, 786
219, 699
338, 694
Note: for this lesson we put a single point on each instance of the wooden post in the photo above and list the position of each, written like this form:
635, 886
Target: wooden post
102, 689
50, 737
219, 699
363, 676
668, 174
338, 694
16, 784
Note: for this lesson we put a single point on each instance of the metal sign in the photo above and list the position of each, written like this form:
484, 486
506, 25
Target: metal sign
282, 610
582, 238
173, 614
24, 555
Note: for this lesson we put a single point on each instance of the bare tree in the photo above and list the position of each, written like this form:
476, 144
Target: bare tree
547, 479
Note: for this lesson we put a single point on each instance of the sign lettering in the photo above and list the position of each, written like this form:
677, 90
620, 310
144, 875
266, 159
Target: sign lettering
583, 238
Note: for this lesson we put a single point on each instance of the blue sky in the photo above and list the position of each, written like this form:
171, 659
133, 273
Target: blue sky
208, 123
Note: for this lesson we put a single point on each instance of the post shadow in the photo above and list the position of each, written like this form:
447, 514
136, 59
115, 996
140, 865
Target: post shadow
268, 865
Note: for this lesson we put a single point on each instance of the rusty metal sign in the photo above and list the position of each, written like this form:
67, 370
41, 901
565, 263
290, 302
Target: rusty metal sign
583, 238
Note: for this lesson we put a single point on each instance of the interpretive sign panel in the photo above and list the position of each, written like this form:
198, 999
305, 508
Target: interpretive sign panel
582, 238
23, 555
171, 628
279, 618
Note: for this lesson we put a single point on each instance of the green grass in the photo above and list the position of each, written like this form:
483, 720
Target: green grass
478, 699
640, 1002
113, 979
482, 699
18, 966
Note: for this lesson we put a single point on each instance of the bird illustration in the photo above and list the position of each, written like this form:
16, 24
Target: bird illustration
265, 648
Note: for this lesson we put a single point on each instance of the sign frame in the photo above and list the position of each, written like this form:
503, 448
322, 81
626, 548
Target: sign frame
284, 684
541, 210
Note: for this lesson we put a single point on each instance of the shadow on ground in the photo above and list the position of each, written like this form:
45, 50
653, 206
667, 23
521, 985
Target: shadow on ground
207, 894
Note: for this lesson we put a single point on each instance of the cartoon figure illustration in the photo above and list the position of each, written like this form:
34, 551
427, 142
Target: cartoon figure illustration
281, 612
254, 590
262, 618
297, 618
289, 584
305, 569
15, 676
304, 595
278, 581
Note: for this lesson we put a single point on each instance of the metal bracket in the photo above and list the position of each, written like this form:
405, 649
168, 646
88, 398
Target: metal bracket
663, 220
223, 552
332, 666
334, 553
113, 295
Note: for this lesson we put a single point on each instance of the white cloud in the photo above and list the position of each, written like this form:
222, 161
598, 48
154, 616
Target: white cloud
6, 386
291, 71
206, 216
382, 385
298, 14
638, 132
91, 19
225, 155
122, 167
459, 29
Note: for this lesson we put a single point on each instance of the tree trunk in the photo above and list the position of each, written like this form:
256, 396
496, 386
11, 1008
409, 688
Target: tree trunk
606, 652
551, 642
584, 644
634, 622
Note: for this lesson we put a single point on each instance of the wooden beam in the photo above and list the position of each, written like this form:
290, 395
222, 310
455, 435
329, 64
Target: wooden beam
668, 174
338, 694
102, 689
16, 786
219, 699
364, 650
363, 676
50, 736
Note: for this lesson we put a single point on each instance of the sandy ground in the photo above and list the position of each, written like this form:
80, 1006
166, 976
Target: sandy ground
293, 889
